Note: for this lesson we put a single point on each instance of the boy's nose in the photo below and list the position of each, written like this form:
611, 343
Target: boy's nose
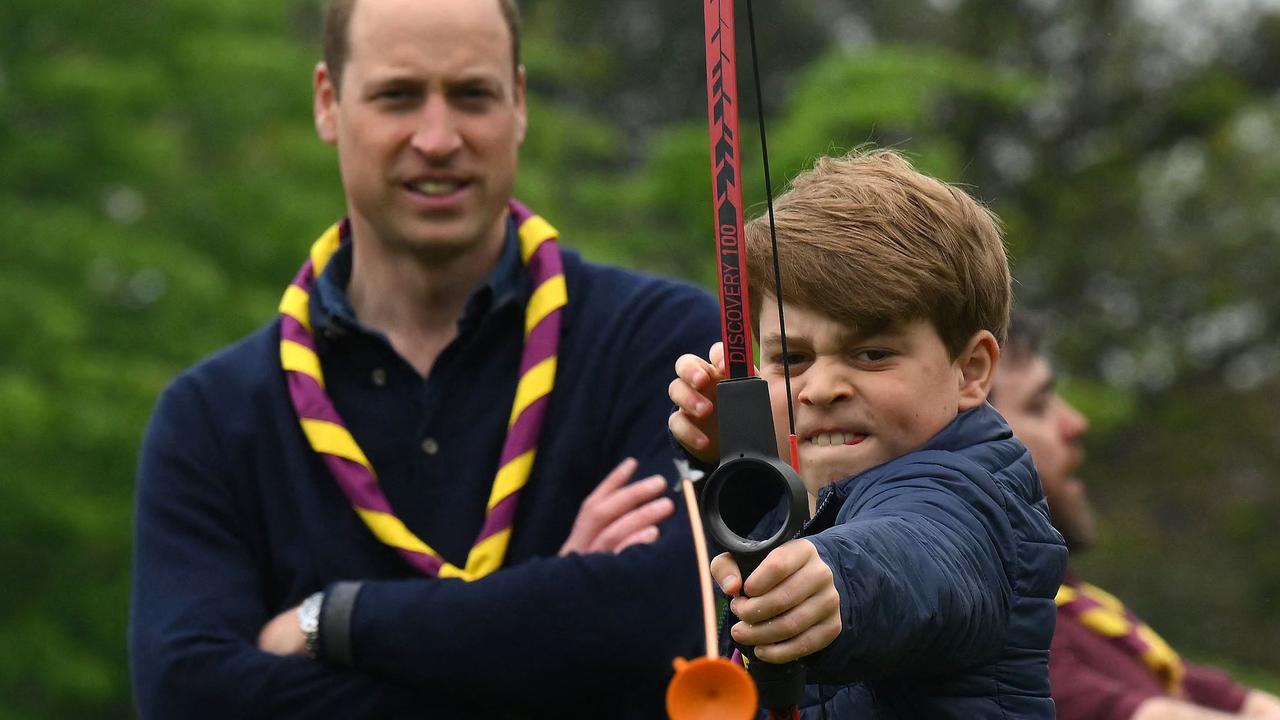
823, 386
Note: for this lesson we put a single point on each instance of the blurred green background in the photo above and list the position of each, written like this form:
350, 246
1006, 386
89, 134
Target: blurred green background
160, 181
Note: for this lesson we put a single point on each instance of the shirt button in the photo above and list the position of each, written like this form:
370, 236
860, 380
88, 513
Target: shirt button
430, 446
379, 377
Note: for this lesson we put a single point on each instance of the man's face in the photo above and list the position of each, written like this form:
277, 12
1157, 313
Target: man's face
428, 122
859, 401
1052, 430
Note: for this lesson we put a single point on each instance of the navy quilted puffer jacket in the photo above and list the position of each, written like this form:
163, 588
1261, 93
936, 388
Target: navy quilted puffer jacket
946, 565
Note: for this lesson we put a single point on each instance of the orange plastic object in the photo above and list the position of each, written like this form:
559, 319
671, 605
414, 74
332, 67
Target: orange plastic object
708, 688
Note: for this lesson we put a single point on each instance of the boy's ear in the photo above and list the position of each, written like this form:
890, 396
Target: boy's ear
977, 366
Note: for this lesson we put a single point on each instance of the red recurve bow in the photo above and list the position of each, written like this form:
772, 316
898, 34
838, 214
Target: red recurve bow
750, 480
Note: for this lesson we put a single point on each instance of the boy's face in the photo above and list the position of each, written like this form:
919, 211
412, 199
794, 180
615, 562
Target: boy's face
860, 401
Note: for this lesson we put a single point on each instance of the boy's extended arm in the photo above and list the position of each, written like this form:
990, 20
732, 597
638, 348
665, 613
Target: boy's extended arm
921, 582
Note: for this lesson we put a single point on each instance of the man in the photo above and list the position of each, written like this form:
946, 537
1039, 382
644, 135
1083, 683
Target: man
381, 504
1105, 663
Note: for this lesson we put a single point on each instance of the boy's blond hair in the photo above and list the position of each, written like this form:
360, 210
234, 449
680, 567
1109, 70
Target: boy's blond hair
871, 242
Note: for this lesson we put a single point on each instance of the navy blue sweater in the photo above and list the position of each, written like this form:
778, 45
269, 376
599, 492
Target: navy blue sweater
238, 520
947, 566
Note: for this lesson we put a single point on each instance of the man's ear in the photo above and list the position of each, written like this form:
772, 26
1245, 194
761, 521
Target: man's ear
325, 104
977, 367
521, 103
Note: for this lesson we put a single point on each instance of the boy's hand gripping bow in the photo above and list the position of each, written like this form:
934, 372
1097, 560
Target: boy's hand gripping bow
750, 479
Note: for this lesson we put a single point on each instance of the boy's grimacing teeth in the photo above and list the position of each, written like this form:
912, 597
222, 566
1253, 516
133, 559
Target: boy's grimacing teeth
824, 439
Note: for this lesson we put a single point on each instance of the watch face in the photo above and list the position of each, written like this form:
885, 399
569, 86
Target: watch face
309, 613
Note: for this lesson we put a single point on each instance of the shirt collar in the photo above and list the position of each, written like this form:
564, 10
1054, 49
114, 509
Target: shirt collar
332, 314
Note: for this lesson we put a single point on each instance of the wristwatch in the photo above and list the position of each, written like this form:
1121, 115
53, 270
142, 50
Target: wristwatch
309, 622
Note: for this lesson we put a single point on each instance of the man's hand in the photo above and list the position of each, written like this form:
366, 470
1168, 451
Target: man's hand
1167, 708
1257, 704
283, 635
1260, 704
694, 424
616, 515
791, 608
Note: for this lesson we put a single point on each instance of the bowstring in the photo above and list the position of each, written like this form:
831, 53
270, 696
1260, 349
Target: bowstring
773, 228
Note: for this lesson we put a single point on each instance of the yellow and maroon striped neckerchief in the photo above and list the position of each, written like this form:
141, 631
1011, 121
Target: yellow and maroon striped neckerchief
1104, 614
329, 436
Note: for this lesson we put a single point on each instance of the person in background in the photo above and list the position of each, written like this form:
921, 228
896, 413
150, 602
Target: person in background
388, 501
1105, 663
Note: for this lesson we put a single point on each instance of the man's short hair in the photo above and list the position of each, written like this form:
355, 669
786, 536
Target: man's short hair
1024, 344
1025, 338
337, 25
871, 242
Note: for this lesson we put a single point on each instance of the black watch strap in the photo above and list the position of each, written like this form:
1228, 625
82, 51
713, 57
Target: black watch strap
335, 623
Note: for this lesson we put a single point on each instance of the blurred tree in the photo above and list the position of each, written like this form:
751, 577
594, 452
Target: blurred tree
159, 178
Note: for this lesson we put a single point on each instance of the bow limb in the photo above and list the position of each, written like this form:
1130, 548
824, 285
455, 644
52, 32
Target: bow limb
750, 477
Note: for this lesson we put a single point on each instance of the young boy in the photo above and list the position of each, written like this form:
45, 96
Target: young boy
923, 586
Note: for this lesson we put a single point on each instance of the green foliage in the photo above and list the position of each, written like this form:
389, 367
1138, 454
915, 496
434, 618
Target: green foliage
1107, 408
160, 178
888, 96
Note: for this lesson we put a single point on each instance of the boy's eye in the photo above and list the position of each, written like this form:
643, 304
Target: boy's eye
791, 359
873, 355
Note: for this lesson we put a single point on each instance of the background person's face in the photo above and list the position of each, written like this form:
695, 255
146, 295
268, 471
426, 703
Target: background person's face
1052, 429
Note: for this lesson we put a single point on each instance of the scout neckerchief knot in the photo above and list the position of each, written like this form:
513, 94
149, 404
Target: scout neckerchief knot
330, 437
1104, 614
